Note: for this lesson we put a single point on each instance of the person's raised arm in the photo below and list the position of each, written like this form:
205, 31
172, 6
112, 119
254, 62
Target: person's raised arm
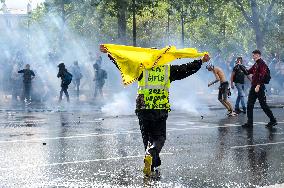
246, 72
179, 72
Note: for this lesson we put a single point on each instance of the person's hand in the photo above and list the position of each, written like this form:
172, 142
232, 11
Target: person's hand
257, 88
205, 58
103, 49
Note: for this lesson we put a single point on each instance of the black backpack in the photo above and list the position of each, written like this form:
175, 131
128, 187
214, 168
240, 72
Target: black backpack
67, 79
267, 76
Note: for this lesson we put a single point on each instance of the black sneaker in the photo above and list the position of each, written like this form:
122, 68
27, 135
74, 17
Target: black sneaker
247, 125
271, 124
238, 111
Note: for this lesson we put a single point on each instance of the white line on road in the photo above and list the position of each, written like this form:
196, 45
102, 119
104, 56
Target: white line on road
115, 134
255, 145
69, 137
78, 162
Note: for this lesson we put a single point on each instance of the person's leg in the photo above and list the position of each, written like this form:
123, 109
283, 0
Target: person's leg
144, 128
66, 94
250, 105
223, 95
78, 87
96, 91
101, 91
263, 104
228, 104
24, 93
220, 97
61, 93
158, 137
243, 98
28, 87
237, 105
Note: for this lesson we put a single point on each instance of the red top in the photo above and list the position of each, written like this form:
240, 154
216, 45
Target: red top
258, 70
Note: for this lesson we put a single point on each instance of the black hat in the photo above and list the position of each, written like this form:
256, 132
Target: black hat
61, 65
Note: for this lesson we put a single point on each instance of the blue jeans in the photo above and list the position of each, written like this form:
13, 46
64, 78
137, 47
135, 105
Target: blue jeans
241, 96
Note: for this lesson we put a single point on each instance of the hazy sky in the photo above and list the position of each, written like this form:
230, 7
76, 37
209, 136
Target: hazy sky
22, 4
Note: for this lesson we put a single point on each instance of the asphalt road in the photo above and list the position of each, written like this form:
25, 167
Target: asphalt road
88, 149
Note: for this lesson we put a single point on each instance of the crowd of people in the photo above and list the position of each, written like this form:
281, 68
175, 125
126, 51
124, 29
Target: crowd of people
274, 62
153, 106
27, 83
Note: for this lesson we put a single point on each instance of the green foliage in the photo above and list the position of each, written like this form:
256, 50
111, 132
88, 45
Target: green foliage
212, 25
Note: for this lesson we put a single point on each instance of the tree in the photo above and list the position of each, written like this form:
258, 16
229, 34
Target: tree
253, 13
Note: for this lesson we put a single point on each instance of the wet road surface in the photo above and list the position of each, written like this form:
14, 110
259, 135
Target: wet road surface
88, 149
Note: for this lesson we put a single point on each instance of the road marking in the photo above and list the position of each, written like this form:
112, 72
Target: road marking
120, 133
98, 135
79, 161
255, 145
70, 137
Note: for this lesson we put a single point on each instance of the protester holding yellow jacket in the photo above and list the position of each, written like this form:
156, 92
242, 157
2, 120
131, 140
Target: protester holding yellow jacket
149, 67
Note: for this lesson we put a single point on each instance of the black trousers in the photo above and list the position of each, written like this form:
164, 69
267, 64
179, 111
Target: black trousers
262, 101
77, 85
153, 129
64, 89
27, 91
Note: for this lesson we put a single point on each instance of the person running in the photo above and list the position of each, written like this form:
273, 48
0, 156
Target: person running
223, 89
99, 79
260, 76
66, 79
28, 76
238, 80
77, 75
152, 106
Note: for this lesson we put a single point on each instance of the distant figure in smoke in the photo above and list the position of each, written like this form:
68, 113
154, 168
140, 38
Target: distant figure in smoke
77, 76
28, 76
223, 89
260, 76
16, 83
238, 80
66, 79
99, 79
99, 59
92, 59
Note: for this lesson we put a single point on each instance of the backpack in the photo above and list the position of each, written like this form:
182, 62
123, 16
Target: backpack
267, 76
67, 79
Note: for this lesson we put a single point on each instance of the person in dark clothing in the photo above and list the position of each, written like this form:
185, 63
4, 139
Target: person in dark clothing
152, 106
238, 80
76, 72
259, 70
63, 73
28, 76
153, 122
99, 79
